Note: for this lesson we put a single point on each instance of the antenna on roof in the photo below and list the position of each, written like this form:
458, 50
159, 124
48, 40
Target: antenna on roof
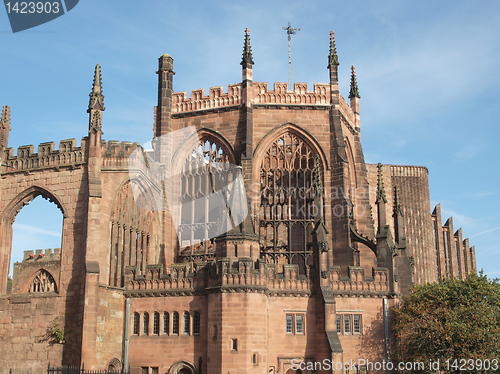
290, 32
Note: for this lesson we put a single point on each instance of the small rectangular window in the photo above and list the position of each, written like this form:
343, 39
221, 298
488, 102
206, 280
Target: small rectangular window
289, 324
347, 324
234, 344
357, 324
145, 324
339, 324
145, 370
154, 370
299, 324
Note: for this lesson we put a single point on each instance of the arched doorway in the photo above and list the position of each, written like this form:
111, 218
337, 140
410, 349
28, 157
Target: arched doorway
293, 371
182, 367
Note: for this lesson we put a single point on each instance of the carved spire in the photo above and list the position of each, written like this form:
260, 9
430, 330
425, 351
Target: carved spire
96, 97
333, 59
247, 50
96, 103
380, 187
354, 85
4, 127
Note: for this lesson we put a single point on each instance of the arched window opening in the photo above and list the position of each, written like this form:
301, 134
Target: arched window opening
166, 321
145, 324
132, 238
206, 168
42, 282
187, 324
156, 323
36, 237
136, 323
196, 323
289, 171
175, 323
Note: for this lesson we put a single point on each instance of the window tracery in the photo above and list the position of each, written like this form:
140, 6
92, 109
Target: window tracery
132, 237
287, 208
42, 282
206, 169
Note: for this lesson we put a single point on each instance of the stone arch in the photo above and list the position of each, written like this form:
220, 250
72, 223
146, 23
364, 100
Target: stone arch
204, 164
266, 141
23, 199
182, 367
114, 364
42, 281
287, 164
7, 219
202, 135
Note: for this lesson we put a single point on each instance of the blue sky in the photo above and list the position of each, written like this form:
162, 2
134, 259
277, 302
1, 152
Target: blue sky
427, 74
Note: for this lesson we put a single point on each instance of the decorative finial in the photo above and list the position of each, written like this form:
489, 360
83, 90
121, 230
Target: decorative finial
96, 97
398, 210
317, 180
247, 50
354, 85
333, 59
380, 190
5, 119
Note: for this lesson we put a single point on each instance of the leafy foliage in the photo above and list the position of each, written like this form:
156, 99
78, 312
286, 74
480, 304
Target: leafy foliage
452, 319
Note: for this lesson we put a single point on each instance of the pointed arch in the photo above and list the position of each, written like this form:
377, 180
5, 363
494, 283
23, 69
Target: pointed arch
205, 164
42, 281
182, 367
23, 199
288, 163
7, 218
284, 128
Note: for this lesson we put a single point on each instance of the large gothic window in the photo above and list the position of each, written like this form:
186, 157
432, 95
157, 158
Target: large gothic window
206, 169
287, 209
132, 236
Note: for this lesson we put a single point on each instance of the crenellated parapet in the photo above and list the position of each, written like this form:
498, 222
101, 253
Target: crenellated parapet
68, 155
225, 274
115, 154
40, 255
199, 101
299, 96
356, 283
408, 171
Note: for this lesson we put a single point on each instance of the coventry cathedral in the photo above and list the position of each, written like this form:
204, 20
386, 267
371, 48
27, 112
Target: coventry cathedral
300, 261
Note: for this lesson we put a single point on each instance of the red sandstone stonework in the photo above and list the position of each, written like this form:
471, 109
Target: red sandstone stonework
253, 300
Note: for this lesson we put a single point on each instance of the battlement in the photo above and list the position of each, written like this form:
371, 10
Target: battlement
199, 101
408, 171
225, 273
68, 154
39, 255
357, 283
299, 96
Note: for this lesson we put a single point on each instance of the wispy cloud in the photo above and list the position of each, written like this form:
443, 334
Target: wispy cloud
33, 229
485, 232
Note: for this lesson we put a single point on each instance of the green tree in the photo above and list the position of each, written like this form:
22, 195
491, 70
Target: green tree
454, 321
